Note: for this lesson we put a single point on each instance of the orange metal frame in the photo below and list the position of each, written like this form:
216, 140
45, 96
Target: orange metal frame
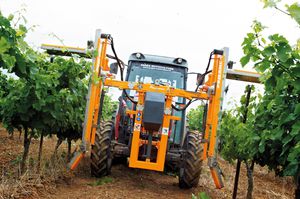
214, 83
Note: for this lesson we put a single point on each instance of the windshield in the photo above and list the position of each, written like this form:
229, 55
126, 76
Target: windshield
152, 73
155, 73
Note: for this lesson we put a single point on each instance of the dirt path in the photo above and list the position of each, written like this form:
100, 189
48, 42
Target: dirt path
125, 182
133, 183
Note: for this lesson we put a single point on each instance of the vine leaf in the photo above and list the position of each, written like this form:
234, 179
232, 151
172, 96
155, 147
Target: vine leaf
9, 60
244, 60
268, 51
4, 45
297, 109
294, 11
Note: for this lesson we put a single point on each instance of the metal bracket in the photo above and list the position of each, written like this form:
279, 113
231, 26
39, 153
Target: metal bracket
216, 172
77, 156
211, 90
212, 162
139, 107
131, 85
168, 111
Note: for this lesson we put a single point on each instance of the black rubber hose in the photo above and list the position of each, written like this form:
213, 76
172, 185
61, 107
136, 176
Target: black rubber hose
113, 57
120, 66
202, 77
116, 56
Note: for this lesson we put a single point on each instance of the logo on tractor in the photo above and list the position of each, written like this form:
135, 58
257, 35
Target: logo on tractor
137, 127
165, 131
156, 67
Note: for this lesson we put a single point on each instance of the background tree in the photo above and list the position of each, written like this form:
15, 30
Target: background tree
278, 115
46, 97
238, 136
195, 116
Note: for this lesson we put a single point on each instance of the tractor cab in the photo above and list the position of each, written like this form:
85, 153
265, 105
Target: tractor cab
159, 70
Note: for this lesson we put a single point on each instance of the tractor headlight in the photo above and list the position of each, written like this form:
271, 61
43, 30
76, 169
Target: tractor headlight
138, 55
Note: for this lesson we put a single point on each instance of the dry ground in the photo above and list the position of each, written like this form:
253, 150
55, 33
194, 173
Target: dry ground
123, 182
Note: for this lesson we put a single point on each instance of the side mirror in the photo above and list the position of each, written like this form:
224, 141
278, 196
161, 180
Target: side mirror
200, 79
90, 44
114, 68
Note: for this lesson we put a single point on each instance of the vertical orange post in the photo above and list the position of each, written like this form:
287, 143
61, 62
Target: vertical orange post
214, 104
214, 109
215, 83
134, 151
103, 63
161, 156
93, 94
211, 106
91, 100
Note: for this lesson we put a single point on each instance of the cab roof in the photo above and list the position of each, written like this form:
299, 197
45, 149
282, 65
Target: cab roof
139, 57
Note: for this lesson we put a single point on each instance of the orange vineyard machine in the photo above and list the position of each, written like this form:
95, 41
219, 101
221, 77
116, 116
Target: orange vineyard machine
149, 128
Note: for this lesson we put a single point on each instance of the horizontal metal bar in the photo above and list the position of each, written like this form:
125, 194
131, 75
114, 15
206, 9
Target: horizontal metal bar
242, 75
140, 87
64, 50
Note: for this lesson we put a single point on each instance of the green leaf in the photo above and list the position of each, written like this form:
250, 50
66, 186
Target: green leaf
283, 50
286, 140
8, 60
21, 31
294, 11
193, 196
269, 3
268, 51
296, 84
261, 146
271, 82
203, 195
297, 109
295, 128
244, 60
278, 38
294, 154
95, 53
10, 17
257, 26
262, 66
4, 45
296, 71
95, 79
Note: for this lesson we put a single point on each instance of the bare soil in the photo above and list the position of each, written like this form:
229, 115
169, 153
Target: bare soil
126, 182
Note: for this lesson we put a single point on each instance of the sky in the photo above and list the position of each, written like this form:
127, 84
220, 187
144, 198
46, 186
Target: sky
189, 29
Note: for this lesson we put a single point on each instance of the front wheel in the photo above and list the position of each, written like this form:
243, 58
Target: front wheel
190, 171
101, 157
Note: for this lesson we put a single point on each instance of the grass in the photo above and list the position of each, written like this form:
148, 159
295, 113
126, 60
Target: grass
201, 195
16, 161
101, 181
31, 183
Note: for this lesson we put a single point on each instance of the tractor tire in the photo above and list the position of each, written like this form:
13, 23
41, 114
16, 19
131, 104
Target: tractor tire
101, 157
189, 173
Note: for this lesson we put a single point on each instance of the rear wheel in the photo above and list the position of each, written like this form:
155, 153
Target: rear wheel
101, 156
190, 171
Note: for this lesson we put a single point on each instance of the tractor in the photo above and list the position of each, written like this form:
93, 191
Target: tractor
149, 129
114, 138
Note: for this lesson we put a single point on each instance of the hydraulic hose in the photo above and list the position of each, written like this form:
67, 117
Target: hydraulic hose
207, 71
120, 63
